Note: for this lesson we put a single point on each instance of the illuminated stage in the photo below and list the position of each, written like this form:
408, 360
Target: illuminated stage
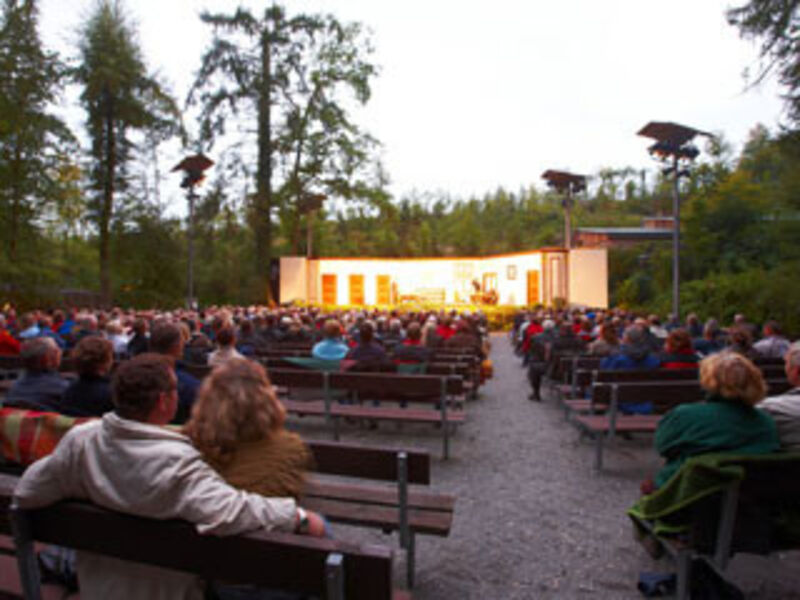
579, 276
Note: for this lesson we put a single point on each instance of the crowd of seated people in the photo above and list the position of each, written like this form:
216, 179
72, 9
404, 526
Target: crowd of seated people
233, 415
96, 340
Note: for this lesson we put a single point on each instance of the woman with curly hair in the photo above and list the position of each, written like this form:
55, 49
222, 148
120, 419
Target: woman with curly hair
237, 424
728, 420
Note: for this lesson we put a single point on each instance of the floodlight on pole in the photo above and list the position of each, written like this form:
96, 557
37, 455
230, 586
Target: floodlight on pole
193, 168
673, 146
566, 184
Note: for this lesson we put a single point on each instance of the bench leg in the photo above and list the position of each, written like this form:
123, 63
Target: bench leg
410, 559
684, 567
26, 556
598, 451
334, 576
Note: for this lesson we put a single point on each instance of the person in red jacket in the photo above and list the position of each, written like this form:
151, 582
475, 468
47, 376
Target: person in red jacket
678, 351
8, 345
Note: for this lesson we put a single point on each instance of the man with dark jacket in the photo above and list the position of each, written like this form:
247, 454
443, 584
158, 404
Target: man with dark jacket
412, 350
139, 344
166, 339
41, 387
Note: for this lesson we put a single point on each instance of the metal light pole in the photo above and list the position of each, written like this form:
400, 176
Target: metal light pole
566, 184
193, 168
673, 146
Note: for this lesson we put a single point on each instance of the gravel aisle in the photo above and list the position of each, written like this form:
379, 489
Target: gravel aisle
532, 518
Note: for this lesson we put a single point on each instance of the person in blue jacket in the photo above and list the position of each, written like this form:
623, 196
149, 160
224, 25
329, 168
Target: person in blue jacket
634, 353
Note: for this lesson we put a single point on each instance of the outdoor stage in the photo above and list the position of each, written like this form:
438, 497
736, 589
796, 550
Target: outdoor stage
578, 276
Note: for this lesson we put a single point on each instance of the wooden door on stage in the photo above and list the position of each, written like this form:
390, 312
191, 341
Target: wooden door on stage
384, 287
357, 289
533, 287
329, 289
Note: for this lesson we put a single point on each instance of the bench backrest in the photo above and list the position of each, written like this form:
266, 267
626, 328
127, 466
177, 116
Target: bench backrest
644, 375
431, 368
743, 519
295, 563
423, 385
664, 395
369, 462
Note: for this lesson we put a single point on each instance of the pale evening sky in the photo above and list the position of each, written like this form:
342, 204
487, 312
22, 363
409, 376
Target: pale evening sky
474, 94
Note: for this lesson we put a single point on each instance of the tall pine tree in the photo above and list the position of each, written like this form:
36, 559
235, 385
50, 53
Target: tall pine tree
30, 135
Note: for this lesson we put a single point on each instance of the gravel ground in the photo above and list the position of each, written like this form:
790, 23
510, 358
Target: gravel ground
533, 520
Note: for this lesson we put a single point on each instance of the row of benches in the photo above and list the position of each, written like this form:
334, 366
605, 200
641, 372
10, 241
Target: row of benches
594, 400
403, 506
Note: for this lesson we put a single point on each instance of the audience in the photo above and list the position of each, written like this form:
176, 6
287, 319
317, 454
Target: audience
167, 340
412, 350
607, 342
331, 347
139, 343
773, 344
367, 353
741, 342
237, 424
90, 395
726, 422
785, 409
678, 351
226, 347
634, 353
41, 386
129, 462
9, 345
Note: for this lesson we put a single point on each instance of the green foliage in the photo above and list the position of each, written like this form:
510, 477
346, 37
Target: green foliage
119, 96
776, 24
30, 135
290, 71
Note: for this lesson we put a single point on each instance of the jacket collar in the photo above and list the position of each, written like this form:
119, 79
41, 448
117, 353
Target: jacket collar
118, 427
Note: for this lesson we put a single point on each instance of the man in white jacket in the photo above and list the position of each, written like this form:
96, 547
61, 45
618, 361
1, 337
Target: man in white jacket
130, 462
785, 409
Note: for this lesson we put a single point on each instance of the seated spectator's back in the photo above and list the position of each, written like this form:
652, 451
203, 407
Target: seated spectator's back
90, 395
41, 387
633, 353
412, 350
785, 409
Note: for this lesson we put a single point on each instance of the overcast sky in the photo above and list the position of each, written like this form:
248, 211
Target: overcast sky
475, 94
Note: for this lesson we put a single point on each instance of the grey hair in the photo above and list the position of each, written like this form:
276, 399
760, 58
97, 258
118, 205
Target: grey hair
793, 355
711, 327
634, 335
34, 352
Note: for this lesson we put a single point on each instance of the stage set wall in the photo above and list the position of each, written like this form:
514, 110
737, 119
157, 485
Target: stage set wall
580, 276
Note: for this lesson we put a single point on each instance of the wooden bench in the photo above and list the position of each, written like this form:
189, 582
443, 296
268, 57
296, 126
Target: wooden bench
398, 507
583, 378
468, 370
578, 372
385, 387
586, 378
321, 567
739, 519
365, 499
663, 395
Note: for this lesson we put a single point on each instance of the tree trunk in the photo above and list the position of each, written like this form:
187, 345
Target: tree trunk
263, 199
107, 205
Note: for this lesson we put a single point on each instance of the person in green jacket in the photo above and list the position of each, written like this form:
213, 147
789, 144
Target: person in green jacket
726, 422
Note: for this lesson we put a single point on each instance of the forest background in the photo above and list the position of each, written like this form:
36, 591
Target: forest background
80, 215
